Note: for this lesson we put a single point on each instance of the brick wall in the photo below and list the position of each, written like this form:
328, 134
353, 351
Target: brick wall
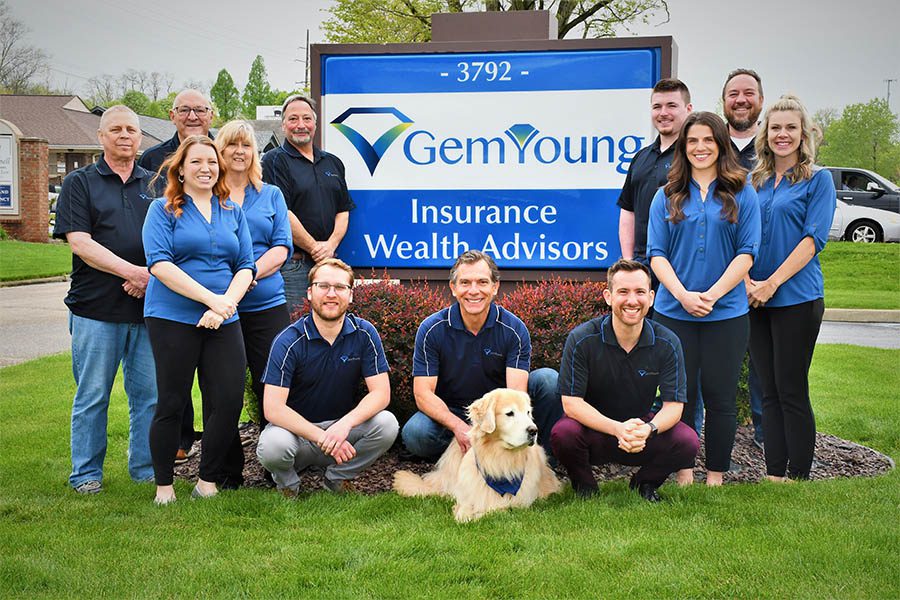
31, 224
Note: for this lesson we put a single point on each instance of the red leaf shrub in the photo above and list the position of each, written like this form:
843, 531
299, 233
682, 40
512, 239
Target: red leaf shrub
550, 309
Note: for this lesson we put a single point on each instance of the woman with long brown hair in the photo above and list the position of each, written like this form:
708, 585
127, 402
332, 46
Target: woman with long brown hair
785, 287
200, 258
704, 233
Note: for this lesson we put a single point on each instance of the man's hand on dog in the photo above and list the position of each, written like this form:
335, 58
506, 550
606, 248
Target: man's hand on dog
461, 433
632, 435
334, 442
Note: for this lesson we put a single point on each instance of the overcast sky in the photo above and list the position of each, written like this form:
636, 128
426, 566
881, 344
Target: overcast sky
828, 52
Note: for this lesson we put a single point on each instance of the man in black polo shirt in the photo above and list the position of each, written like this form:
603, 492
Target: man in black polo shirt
611, 369
101, 212
192, 114
670, 104
466, 350
315, 191
311, 381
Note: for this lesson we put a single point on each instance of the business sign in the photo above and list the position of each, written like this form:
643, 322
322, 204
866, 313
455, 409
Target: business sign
9, 199
519, 154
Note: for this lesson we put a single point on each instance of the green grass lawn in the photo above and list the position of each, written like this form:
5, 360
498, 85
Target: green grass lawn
861, 275
25, 260
833, 539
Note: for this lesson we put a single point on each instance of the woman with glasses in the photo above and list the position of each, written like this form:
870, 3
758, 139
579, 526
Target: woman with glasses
785, 286
703, 235
263, 310
200, 257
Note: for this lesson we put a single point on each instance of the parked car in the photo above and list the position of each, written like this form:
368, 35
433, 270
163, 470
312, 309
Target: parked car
861, 187
864, 224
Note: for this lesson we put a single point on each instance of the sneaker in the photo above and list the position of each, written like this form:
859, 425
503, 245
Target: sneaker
291, 493
648, 492
341, 486
758, 443
89, 487
181, 457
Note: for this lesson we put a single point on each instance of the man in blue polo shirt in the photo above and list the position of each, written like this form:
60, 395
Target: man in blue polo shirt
467, 350
611, 369
100, 212
192, 115
315, 191
311, 380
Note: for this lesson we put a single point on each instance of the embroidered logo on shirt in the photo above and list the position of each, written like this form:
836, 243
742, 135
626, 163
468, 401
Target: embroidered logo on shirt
347, 357
643, 373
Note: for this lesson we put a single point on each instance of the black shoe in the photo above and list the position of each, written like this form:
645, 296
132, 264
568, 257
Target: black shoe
648, 492
585, 492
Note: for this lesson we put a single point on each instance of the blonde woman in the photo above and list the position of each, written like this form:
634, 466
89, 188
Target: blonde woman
785, 288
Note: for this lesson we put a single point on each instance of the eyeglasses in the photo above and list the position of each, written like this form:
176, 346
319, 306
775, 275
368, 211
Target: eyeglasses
340, 288
200, 111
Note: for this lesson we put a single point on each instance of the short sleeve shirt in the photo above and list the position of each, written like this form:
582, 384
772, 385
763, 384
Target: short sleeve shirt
622, 385
267, 220
314, 191
469, 366
323, 378
94, 200
209, 252
649, 171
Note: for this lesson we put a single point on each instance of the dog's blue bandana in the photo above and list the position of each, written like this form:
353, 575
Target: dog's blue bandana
501, 486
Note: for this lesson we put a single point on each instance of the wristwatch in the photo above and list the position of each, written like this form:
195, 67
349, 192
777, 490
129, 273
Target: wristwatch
653, 429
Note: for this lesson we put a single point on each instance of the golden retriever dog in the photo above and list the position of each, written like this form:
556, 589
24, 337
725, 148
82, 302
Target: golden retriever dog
503, 468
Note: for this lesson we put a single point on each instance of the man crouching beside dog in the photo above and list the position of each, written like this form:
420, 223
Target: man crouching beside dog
313, 371
611, 369
467, 350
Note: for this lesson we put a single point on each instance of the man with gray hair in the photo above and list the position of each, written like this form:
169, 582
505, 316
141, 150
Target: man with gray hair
315, 191
192, 114
101, 212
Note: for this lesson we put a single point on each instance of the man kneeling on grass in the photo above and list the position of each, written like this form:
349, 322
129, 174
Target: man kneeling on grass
310, 381
611, 369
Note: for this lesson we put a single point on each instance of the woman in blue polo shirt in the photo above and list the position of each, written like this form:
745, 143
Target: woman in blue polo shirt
200, 257
263, 310
703, 235
785, 287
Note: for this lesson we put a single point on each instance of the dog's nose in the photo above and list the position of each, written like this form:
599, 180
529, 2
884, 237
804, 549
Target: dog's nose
532, 434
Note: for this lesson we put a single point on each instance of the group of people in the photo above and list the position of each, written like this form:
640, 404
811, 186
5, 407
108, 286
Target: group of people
193, 264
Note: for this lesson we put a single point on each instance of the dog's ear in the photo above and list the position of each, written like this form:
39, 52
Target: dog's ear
481, 413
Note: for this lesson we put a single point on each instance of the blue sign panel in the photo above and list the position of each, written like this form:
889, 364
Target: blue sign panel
521, 155
5, 196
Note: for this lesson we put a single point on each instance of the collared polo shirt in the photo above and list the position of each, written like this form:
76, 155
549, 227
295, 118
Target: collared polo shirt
790, 213
469, 366
153, 157
94, 200
701, 247
649, 171
314, 191
323, 378
747, 156
267, 220
209, 252
622, 385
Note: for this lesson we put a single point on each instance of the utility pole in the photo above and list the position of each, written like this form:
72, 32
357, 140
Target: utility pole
887, 81
305, 62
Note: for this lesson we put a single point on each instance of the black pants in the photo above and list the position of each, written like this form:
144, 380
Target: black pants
713, 352
259, 329
782, 340
217, 355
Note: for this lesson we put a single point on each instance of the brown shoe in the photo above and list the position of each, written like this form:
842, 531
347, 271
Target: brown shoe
341, 486
290, 493
181, 457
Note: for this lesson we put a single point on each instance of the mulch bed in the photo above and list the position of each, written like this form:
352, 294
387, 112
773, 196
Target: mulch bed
835, 458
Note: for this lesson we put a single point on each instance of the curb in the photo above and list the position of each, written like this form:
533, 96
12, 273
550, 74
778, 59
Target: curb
859, 315
19, 282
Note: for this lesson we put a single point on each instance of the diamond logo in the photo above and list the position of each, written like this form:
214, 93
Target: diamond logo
372, 153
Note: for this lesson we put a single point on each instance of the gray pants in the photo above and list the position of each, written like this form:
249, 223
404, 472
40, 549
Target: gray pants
285, 454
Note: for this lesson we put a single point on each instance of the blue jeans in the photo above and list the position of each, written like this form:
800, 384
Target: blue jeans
427, 438
295, 274
97, 349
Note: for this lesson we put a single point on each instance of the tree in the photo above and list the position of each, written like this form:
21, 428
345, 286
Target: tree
20, 62
823, 118
257, 92
225, 96
386, 21
136, 101
866, 135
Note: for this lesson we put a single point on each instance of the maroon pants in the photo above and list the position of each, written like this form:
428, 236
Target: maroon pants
578, 447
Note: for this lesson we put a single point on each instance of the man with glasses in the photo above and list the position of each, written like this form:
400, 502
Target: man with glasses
315, 191
467, 350
191, 113
311, 381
